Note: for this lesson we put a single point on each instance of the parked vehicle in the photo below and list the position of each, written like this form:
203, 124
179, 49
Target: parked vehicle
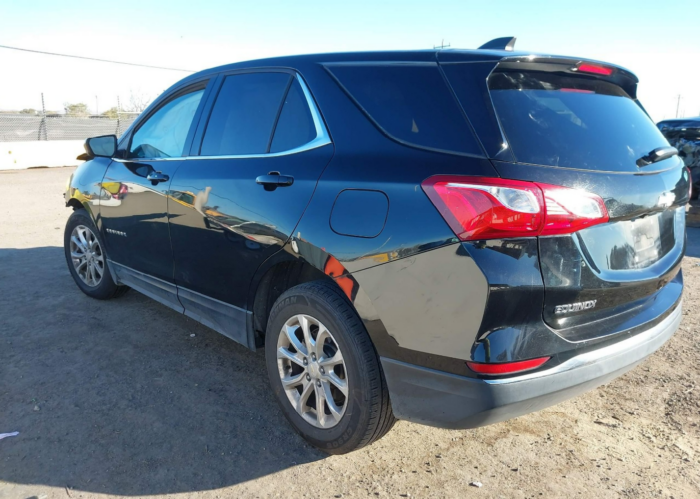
451, 237
684, 135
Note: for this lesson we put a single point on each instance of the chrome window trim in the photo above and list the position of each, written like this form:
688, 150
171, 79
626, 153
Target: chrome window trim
322, 138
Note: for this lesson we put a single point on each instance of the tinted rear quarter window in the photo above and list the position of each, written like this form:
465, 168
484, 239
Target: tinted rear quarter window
409, 102
244, 114
295, 126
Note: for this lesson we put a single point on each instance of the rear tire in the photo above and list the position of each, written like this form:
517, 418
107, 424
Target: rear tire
301, 315
87, 259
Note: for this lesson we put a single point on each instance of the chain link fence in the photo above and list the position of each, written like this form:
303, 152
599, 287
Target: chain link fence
29, 127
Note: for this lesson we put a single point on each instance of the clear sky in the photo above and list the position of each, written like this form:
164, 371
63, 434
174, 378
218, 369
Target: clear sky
658, 40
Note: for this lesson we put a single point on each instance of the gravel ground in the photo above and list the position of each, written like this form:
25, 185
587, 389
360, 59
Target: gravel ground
128, 398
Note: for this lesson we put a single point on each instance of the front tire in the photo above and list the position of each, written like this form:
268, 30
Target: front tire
86, 258
324, 370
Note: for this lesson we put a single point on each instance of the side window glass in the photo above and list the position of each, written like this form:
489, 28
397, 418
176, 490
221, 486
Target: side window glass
164, 134
296, 125
411, 103
244, 113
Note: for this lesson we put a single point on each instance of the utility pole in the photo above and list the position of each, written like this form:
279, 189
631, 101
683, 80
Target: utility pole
119, 117
678, 104
42, 125
97, 109
442, 45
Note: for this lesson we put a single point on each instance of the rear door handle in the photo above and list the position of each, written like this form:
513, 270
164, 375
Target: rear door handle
273, 180
156, 177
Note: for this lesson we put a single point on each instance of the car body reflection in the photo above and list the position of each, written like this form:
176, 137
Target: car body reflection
259, 233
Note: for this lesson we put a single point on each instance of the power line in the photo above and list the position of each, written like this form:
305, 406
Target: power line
95, 59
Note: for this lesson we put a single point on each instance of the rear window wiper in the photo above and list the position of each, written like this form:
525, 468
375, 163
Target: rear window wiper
658, 154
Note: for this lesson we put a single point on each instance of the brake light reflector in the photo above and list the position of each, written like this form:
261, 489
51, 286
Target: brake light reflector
594, 69
496, 208
507, 367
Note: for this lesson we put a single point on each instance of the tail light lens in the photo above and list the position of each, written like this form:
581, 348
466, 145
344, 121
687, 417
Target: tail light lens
495, 208
570, 210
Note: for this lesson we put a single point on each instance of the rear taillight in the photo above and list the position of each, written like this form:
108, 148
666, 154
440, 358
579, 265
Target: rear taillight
479, 208
495, 208
506, 367
570, 210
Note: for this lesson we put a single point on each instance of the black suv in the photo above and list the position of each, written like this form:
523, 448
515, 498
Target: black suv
451, 237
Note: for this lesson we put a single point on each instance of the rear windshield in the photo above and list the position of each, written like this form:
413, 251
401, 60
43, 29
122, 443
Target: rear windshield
410, 103
571, 121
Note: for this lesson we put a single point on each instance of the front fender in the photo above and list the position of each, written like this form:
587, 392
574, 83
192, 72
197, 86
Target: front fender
84, 187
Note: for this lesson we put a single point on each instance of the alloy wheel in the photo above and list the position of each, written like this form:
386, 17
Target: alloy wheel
87, 256
312, 371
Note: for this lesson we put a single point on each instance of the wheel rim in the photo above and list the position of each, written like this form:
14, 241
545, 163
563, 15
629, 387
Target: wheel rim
312, 371
87, 256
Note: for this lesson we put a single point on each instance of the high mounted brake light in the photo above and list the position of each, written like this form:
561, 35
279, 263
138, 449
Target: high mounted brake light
576, 90
596, 69
495, 208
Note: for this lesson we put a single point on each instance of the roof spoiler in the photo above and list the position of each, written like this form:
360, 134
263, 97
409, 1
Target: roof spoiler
506, 43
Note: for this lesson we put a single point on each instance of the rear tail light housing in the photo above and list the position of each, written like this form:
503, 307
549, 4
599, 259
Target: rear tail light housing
570, 210
495, 208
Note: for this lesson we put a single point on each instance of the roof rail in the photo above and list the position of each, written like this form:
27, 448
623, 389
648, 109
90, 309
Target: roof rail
506, 43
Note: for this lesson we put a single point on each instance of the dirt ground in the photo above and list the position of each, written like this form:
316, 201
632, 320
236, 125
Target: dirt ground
128, 398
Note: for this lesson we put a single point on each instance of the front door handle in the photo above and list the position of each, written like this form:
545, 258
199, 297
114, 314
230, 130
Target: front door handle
156, 177
273, 180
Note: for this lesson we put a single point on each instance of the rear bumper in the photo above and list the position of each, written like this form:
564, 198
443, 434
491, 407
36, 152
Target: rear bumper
446, 400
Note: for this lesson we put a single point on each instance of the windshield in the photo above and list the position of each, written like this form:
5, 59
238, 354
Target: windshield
571, 121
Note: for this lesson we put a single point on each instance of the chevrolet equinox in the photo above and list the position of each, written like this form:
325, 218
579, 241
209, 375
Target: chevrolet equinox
450, 237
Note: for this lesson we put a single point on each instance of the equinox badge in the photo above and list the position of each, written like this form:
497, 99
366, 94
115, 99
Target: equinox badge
574, 307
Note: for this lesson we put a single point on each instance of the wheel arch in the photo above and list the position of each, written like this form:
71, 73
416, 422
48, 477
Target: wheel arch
84, 187
289, 268
75, 204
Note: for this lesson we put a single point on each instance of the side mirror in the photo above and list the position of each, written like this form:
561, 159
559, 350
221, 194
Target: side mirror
104, 146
